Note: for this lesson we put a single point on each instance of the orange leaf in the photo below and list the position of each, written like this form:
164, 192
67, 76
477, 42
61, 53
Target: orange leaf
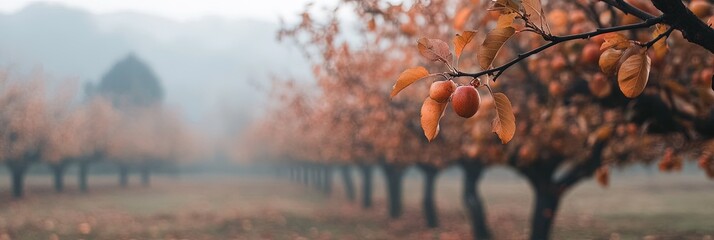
602, 174
492, 44
634, 73
372, 25
660, 47
461, 40
434, 50
504, 124
461, 17
534, 9
506, 5
615, 40
609, 60
506, 20
408, 77
431, 113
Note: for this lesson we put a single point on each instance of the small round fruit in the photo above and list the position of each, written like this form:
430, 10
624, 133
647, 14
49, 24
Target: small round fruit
599, 86
700, 8
465, 101
440, 91
578, 17
591, 53
555, 89
558, 63
706, 76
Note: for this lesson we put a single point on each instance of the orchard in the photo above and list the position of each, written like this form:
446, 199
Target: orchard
557, 91
358, 119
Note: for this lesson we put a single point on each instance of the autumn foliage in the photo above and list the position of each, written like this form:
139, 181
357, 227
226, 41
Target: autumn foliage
43, 122
572, 89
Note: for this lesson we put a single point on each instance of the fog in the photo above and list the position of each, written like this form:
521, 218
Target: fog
368, 119
207, 66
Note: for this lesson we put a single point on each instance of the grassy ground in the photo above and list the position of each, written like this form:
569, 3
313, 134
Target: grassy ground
657, 206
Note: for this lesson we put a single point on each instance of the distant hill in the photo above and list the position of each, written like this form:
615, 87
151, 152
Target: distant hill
205, 65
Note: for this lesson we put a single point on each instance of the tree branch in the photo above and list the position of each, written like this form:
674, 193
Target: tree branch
678, 16
653, 41
555, 40
629, 9
584, 169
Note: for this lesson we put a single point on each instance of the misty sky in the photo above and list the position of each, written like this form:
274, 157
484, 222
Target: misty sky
214, 58
182, 10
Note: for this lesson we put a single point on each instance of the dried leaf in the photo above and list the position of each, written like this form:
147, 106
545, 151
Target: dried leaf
461, 40
461, 18
609, 60
604, 132
660, 47
408, 77
492, 44
431, 113
602, 174
534, 10
615, 40
372, 25
506, 20
504, 124
676, 88
507, 6
434, 50
634, 73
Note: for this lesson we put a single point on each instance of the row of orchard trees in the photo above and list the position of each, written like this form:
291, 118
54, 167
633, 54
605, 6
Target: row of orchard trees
573, 87
43, 122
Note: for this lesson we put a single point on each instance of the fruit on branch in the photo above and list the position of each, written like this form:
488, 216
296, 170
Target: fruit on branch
558, 63
701, 9
600, 86
440, 91
591, 53
466, 101
555, 89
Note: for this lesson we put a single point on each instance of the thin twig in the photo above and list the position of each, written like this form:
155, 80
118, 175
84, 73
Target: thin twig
555, 40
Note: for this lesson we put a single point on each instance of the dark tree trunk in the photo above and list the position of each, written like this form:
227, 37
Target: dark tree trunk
17, 173
366, 185
315, 177
58, 171
123, 176
473, 201
349, 185
292, 174
305, 175
83, 170
145, 176
327, 180
430, 214
546, 206
394, 175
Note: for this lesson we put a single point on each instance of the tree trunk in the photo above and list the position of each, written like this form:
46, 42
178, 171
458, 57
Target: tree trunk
394, 175
17, 173
292, 174
123, 176
315, 175
145, 176
473, 201
349, 185
83, 170
544, 211
58, 171
305, 175
429, 205
327, 180
366, 185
